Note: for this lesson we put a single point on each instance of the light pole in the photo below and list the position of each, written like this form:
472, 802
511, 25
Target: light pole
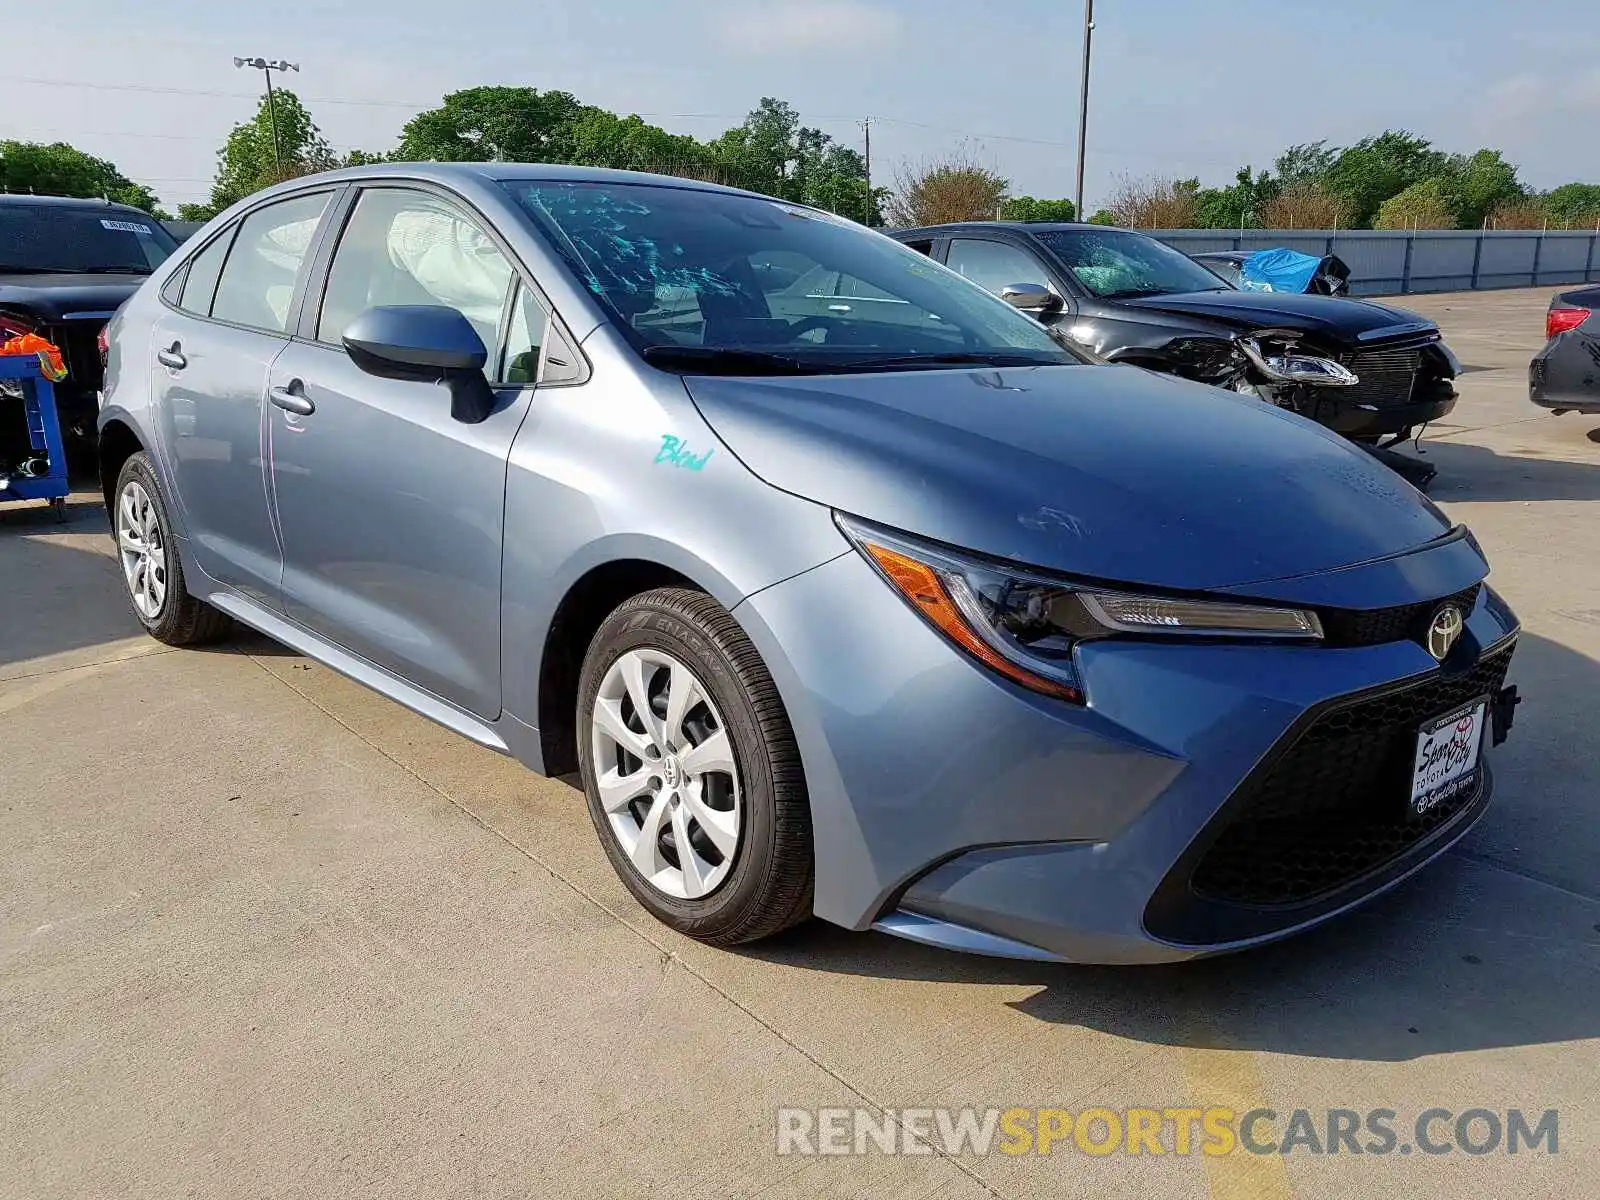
1083, 102
269, 65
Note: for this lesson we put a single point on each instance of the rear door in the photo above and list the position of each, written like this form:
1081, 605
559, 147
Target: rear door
391, 511
222, 325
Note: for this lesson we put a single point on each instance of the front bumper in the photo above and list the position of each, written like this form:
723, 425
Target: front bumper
1383, 420
951, 807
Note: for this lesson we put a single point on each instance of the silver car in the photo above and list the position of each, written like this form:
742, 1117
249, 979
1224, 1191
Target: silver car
848, 588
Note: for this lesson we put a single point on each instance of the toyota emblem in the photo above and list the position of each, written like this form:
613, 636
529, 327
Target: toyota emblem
1444, 631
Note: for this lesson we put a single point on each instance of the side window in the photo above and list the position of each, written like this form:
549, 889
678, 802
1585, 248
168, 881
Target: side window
408, 247
200, 283
524, 336
268, 252
536, 352
993, 265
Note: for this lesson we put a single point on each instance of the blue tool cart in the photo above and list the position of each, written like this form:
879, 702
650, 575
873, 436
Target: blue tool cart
33, 467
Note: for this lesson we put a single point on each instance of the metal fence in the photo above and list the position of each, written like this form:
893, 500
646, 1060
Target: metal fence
1393, 262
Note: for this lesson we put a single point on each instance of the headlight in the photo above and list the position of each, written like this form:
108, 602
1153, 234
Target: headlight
1024, 625
1287, 367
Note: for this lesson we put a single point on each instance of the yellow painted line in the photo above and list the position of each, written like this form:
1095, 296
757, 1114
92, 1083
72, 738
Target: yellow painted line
1232, 1079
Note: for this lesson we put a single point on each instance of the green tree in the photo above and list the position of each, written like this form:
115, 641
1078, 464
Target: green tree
1481, 183
1241, 204
494, 124
602, 139
1104, 216
1574, 205
250, 159
58, 169
1426, 204
1026, 208
1306, 164
1363, 176
772, 152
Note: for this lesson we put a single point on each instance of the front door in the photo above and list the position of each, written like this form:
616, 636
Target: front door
211, 354
391, 511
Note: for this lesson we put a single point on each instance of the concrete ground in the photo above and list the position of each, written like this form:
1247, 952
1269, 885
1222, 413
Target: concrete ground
264, 933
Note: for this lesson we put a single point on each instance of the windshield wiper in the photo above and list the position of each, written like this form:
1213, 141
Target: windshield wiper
1135, 293
712, 360
965, 358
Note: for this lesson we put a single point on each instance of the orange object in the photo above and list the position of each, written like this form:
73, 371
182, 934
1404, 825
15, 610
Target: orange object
50, 362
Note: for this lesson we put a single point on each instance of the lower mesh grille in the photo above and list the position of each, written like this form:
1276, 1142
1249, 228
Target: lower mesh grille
1333, 806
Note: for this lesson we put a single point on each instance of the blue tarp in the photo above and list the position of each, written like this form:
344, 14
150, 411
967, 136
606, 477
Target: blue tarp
1278, 271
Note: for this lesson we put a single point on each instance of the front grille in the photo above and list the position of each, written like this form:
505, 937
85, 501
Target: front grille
79, 344
1383, 377
1377, 626
1333, 807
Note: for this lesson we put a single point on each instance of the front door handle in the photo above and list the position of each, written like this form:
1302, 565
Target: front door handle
292, 399
172, 357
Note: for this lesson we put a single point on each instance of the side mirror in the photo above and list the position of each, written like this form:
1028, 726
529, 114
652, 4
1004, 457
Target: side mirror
1030, 297
427, 344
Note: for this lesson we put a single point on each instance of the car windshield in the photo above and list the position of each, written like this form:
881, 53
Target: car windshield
714, 281
41, 238
1115, 264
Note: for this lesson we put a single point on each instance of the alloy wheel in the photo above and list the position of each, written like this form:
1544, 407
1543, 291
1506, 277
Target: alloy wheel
666, 775
142, 550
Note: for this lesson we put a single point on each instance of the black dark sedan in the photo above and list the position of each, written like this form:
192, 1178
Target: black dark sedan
1365, 370
1565, 375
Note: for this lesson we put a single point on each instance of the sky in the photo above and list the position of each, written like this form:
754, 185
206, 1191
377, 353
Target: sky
1179, 87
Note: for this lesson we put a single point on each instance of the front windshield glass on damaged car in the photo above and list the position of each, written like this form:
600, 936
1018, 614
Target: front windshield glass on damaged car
704, 281
77, 240
1115, 264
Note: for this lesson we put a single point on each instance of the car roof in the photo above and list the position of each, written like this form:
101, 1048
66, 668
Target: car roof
1011, 226
16, 200
508, 172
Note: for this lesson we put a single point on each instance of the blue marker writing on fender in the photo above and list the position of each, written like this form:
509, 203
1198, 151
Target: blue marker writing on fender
675, 450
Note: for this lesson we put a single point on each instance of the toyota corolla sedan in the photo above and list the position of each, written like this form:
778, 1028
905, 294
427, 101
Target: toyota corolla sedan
848, 590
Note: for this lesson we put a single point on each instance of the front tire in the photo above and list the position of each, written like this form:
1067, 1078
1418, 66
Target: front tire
152, 574
691, 770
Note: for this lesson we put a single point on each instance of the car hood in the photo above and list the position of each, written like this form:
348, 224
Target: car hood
1111, 472
63, 297
1337, 317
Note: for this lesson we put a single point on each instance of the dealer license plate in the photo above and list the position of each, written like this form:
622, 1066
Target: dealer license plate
1447, 757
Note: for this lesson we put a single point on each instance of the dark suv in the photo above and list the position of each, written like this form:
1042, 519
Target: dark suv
65, 267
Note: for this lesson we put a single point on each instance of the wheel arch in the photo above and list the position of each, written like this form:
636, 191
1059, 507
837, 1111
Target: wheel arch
118, 443
583, 607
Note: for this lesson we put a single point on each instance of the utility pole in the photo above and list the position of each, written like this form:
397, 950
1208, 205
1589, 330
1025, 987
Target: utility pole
1083, 102
269, 66
866, 129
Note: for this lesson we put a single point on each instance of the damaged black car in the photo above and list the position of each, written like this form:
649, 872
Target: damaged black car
1373, 373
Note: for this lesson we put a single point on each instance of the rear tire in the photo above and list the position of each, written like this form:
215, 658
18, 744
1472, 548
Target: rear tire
152, 574
713, 765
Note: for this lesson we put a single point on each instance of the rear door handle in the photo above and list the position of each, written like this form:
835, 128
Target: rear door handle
172, 357
292, 399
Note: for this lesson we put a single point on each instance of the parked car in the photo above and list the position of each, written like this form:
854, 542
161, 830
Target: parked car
845, 587
1363, 369
1565, 375
1325, 276
65, 267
